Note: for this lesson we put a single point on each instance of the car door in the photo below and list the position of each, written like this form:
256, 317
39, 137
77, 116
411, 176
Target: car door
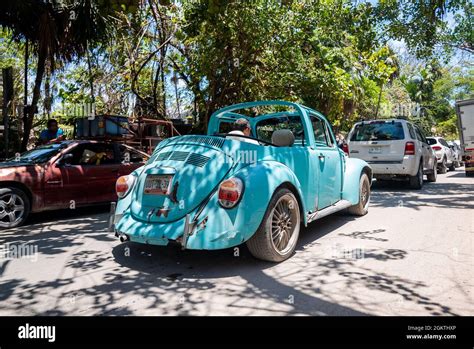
426, 150
447, 149
63, 182
101, 170
329, 164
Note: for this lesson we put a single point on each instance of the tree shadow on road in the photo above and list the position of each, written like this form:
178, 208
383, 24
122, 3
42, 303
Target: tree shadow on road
166, 280
439, 195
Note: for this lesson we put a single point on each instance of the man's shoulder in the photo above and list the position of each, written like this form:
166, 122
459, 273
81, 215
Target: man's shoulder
236, 132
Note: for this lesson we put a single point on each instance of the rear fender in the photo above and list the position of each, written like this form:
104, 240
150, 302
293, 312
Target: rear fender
354, 169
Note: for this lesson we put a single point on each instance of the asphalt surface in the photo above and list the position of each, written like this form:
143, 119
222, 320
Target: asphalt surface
413, 254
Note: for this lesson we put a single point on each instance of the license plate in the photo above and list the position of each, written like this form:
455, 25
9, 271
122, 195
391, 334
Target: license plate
157, 184
375, 150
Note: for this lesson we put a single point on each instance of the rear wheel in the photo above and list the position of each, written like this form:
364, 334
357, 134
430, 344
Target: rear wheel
362, 207
453, 166
276, 238
14, 207
443, 166
416, 181
434, 174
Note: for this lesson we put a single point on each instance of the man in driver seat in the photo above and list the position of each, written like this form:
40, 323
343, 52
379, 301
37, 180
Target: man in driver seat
242, 128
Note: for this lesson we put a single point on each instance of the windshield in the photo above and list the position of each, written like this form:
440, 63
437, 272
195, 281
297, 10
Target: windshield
40, 154
378, 131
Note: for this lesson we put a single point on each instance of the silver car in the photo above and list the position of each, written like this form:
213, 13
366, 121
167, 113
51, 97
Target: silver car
456, 148
395, 149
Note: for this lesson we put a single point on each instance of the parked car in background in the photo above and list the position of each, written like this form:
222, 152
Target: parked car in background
68, 174
444, 154
214, 191
394, 149
465, 113
457, 153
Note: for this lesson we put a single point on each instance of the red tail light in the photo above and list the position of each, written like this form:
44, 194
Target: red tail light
345, 148
230, 192
123, 185
436, 147
410, 148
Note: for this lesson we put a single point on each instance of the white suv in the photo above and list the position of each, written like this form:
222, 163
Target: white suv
395, 149
444, 154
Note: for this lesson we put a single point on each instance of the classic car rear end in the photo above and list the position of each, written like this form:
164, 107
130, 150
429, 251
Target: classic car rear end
215, 192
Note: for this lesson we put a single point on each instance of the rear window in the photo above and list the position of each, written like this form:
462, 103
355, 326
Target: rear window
378, 131
431, 141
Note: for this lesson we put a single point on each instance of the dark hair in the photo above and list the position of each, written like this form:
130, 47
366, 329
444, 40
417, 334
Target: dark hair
51, 122
241, 124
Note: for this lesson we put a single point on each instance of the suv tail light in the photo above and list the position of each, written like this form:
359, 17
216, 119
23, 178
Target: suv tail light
410, 148
230, 192
345, 148
436, 147
123, 185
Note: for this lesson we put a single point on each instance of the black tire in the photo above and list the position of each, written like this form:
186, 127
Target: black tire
272, 233
453, 166
442, 167
11, 200
416, 181
434, 174
362, 207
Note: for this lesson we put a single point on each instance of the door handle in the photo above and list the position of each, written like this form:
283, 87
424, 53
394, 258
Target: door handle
321, 156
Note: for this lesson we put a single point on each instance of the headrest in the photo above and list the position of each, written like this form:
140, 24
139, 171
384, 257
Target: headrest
283, 138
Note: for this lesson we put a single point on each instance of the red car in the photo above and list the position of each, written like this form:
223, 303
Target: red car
68, 174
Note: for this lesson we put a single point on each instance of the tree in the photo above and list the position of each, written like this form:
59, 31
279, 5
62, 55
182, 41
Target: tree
57, 30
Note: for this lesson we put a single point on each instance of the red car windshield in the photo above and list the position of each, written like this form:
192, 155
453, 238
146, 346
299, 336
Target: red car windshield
40, 154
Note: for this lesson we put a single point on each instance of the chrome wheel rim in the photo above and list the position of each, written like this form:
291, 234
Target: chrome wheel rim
12, 209
365, 194
285, 220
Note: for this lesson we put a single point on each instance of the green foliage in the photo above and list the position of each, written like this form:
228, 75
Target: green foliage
165, 58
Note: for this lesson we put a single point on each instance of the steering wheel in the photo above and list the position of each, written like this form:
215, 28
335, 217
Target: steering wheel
243, 136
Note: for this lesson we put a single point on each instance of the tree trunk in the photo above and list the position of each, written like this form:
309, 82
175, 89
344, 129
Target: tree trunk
40, 68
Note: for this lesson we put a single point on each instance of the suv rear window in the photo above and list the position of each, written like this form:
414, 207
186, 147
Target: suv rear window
378, 131
431, 141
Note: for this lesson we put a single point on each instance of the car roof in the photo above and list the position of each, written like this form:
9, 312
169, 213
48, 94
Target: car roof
68, 143
381, 120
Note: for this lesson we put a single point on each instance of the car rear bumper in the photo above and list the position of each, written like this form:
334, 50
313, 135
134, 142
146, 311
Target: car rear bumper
406, 167
216, 228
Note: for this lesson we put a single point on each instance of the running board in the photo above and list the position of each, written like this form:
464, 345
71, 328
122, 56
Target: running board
338, 206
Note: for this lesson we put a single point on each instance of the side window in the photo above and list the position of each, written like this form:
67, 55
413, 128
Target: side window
443, 142
93, 154
129, 155
328, 135
418, 135
321, 135
411, 131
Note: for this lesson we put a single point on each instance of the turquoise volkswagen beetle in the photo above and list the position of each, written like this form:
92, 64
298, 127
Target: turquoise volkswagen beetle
221, 190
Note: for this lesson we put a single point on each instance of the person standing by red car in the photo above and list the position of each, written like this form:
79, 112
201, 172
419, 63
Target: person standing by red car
52, 134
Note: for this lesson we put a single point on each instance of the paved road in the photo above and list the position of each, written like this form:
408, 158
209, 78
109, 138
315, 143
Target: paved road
411, 255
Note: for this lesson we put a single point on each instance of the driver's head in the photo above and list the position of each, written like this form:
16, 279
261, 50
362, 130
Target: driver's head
52, 125
243, 125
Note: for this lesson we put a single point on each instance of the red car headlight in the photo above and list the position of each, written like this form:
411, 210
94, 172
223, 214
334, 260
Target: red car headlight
123, 185
230, 192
